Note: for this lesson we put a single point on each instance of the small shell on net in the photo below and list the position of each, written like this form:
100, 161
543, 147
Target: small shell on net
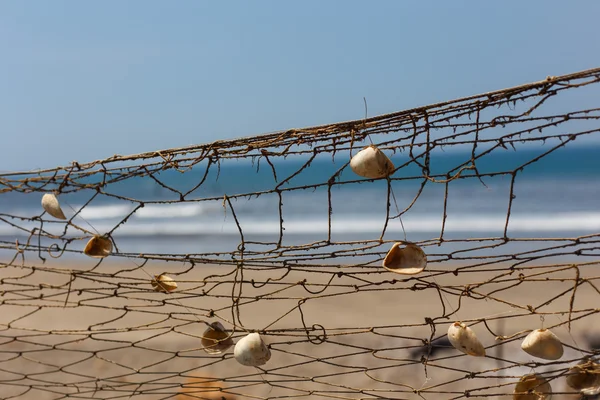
409, 260
51, 206
544, 344
532, 387
98, 247
215, 339
464, 339
370, 162
163, 283
251, 351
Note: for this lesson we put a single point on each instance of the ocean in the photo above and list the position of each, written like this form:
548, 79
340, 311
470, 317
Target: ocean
554, 197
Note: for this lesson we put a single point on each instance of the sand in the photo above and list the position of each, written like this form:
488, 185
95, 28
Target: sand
116, 337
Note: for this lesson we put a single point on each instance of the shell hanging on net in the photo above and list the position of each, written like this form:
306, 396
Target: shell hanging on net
98, 247
215, 339
584, 376
163, 283
464, 339
370, 162
251, 351
51, 206
542, 343
592, 391
409, 260
540, 388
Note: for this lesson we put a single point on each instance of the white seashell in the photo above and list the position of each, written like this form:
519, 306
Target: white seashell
215, 339
51, 206
370, 162
532, 387
544, 344
163, 283
98, 247
584, 376
251, 351
409, 260
464, 339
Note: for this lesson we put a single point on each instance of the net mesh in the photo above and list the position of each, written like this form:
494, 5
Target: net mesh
338, 325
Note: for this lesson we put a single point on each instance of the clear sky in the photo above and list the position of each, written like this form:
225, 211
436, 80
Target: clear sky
82, 80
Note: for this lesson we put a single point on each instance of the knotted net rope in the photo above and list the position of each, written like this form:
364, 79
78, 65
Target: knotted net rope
338, 325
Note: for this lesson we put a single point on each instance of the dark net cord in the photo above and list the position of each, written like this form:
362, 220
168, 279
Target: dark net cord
338, 325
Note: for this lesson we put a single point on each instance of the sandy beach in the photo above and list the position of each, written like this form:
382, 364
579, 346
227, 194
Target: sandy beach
116, 337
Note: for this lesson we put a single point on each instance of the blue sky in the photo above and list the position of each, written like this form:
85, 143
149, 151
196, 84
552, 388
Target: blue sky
85, 80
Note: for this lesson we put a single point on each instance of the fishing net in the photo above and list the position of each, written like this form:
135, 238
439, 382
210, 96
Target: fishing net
94, 310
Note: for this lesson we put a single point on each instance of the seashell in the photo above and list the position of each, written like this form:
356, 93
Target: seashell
532, 387
251, 351
593, 391
215, 339
584, 376
409, 260
370, 162
163, 283
544, 344
201, 387
98, 247
51, 206
464, 339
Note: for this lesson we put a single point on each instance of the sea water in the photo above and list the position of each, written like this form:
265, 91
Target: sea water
555, 197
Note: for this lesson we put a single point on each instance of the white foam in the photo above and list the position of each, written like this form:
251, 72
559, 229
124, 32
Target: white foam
104, 212
192, 224
169, 211
356, 225
150, 211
